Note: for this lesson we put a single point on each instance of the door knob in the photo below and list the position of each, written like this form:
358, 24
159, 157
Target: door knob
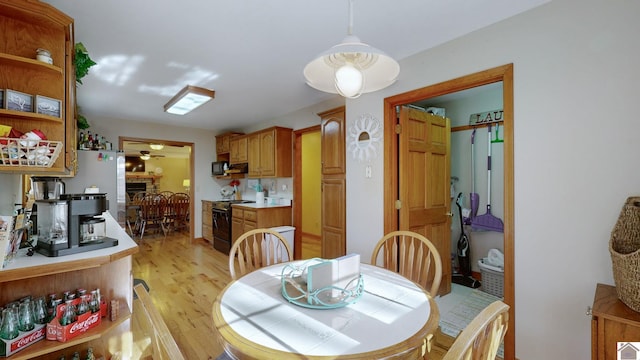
449, 214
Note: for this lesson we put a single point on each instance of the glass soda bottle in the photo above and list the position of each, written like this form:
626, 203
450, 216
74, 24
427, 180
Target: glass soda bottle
83, 306
69, 314
90, 355
25, 316
40, 311
9, 327
94, 301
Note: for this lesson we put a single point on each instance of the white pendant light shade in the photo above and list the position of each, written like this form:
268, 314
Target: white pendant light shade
351, 68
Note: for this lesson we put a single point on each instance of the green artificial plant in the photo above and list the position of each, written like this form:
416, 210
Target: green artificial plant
82, 63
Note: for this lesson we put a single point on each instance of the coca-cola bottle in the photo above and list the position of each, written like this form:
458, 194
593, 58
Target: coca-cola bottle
94, 302
90, 355
69, 314
39, 311
9, 327
83, 306
25, 316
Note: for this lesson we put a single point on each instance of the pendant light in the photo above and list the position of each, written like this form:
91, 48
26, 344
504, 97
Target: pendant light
352, 67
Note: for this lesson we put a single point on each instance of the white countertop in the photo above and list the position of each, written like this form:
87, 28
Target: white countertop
113, 231
259, 206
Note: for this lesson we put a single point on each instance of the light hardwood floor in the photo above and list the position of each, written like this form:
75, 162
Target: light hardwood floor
184, 278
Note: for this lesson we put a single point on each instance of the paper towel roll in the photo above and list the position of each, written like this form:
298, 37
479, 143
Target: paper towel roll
260, 197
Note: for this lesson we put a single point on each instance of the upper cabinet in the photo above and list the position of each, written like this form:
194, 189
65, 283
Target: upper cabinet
238, 150
223, 142
37, 94
270, 153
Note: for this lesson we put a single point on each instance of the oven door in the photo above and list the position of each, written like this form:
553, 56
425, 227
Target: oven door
222, 230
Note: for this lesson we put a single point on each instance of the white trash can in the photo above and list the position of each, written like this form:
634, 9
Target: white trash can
287, 232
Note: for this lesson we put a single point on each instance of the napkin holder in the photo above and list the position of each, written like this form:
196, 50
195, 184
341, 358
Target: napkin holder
323, 284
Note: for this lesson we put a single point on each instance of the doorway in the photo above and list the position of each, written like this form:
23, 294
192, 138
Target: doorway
168, 166
307, 216
502, 74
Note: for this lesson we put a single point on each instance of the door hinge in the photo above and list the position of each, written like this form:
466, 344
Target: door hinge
398, 204
398, 128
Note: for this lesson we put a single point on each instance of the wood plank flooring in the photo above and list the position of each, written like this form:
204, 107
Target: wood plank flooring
184, 279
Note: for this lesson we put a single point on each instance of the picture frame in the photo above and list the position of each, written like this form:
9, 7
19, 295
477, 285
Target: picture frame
18, 101
48, 106
2, 99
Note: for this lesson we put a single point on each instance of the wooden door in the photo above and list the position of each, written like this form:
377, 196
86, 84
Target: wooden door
268, 153
424, 175
253, 155
334, 214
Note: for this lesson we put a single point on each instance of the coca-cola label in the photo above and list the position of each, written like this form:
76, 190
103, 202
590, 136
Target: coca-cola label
82, 326
27, 340
52, 330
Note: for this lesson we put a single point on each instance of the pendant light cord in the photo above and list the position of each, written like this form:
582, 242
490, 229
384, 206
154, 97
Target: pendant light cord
350, 28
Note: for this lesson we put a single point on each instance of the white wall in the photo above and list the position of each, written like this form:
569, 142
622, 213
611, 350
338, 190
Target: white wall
576, 155
204, 187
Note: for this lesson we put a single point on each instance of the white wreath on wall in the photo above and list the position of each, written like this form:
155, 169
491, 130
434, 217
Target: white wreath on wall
364, 138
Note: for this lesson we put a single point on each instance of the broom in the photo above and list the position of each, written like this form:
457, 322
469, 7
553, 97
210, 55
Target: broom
487, 221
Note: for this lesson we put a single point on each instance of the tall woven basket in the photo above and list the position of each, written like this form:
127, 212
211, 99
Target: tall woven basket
624, 247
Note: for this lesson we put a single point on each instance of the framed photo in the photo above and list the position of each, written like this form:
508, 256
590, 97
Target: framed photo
48, 106
18, 101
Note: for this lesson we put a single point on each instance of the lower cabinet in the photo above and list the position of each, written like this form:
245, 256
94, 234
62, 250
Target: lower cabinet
612, 322
246, 218
207, 221
110, 270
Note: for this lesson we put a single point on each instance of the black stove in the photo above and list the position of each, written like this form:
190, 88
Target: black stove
222, 235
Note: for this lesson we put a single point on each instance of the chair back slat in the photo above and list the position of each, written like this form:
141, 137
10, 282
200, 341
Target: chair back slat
411, 255
256, 249
481, 339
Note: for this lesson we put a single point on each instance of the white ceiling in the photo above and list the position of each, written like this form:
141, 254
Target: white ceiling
251, 52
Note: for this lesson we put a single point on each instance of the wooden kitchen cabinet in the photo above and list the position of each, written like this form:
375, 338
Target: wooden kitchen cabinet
245, 218
27, 26
238, 150
223, 142
270, 153
207, 220
611, 322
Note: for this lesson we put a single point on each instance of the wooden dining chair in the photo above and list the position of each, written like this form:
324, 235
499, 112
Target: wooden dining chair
412, 256
177, 214
256, 249
481, 339
152, 209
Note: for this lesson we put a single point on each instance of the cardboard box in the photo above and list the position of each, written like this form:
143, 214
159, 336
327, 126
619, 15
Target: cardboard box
86, 321
24, 339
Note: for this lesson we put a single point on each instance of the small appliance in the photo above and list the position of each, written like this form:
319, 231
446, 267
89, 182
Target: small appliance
218, 167
72, 224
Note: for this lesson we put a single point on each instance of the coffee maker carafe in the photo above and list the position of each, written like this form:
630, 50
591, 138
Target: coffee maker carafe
80, 215
47, 187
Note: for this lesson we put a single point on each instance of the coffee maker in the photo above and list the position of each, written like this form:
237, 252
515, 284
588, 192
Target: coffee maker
72, 224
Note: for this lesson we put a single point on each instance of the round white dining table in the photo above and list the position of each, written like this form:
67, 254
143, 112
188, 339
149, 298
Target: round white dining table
391, 320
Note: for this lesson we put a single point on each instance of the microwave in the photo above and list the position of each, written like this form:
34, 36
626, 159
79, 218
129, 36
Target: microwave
218, 167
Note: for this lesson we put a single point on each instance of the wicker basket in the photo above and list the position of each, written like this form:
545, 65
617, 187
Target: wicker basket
30, 153
492, 280
624, 247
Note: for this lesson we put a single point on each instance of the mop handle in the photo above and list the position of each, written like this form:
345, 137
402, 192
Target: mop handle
473, 175
489, 167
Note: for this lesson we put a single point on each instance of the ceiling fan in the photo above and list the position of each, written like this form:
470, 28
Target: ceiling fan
146, 155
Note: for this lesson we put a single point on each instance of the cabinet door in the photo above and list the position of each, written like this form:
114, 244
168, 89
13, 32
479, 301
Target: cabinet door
333, 139
237, 228
334, 224
268, 153
238, 150
249, 225
253, 154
